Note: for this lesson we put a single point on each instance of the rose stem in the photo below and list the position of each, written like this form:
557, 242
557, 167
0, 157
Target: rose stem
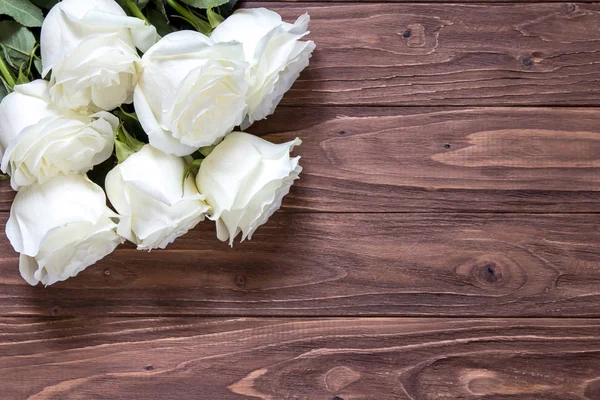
135, 10
186, 14
8, 76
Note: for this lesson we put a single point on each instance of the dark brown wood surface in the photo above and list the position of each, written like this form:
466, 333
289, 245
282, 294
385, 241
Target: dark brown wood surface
309, 264
353, 358
398, 159
475, 54
442, 243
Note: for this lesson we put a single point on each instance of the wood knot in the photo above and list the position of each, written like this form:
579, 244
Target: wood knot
527, 61
107, 272
339, 377
55, 310
240, 280
414, 35
491, 272
488, 273
571, 7
481, 382
148, 367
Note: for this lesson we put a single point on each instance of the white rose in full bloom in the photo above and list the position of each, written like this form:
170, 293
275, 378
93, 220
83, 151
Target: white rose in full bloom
155, 208
39, 141
60, 228
191, 93
244, 180
90, 46
275, 54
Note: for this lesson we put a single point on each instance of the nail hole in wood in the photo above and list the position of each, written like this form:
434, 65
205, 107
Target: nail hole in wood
406, 34
240, 280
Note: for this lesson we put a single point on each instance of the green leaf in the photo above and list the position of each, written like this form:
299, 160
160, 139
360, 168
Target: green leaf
214, 19
23, 11
45, 4
125, 144
193, 166
123, 151
204, 4
160, 23
18, 43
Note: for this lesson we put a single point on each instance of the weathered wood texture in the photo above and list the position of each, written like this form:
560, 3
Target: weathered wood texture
252, 3
408, 206
457, 54
310, 264
400, 359
438, 159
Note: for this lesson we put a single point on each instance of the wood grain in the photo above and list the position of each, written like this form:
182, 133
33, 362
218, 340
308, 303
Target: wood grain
449, 54
274, 3
435, 186
310, 264
438, 159
387, 358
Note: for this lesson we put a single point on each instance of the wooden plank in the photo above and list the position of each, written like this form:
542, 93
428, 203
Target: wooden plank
309, 264
380, 358
274, 3
449, 54
381, 159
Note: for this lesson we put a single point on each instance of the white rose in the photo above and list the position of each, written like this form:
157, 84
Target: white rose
274, 51
155, 208
244, 180
90, 46
60, 228
38, 141
191, 92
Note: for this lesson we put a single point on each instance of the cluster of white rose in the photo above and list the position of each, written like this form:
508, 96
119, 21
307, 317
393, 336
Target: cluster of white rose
189, 91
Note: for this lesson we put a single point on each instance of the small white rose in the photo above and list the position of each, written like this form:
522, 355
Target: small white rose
60, 228
244, 180
191, 93
275, 54
38, 141
155, 208
90, 46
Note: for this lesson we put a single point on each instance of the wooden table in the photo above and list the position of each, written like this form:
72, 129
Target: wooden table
443, 242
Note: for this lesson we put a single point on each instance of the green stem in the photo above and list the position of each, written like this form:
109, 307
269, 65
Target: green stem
181, 9
190, 16
135, 10
8, 76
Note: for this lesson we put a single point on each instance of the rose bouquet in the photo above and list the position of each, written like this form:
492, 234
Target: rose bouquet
123, 124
